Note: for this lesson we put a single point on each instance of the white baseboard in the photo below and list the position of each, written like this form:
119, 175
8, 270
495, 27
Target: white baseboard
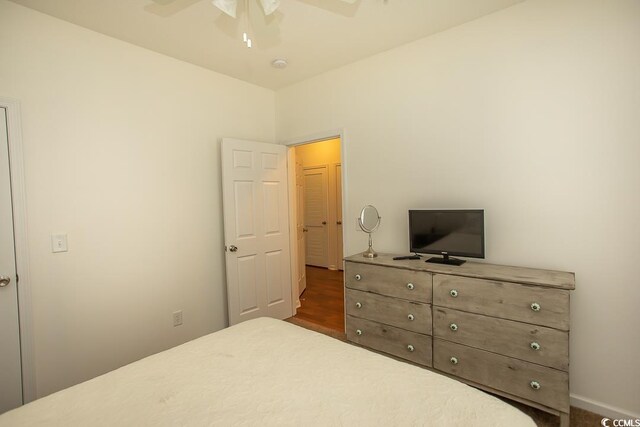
601, 408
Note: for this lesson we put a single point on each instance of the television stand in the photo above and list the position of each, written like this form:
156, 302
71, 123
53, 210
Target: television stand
446, 260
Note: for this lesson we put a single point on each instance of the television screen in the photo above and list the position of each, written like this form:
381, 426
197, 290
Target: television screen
448, 232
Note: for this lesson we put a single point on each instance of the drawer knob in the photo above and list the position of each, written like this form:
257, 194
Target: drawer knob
453, 360
535, 385
359, 305
453, 293
358, 277
410, 286
410, 347
535, 346
410, 317
453, 327
358, 332
535, 306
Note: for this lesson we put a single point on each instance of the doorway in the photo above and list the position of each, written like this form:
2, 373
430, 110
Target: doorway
318, 231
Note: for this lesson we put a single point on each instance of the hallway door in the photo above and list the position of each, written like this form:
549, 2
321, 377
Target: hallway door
10, 365
339, 216
316, 199
301, 231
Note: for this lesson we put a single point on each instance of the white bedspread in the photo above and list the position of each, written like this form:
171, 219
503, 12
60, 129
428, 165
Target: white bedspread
267, 372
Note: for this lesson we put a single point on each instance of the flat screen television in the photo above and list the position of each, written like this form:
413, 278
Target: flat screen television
447, 233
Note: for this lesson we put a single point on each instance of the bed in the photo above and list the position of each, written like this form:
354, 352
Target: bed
267, 372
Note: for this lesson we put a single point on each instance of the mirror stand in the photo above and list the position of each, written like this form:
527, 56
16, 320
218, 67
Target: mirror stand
370, 253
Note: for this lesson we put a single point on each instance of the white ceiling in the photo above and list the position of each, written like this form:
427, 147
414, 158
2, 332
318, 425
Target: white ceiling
313, 35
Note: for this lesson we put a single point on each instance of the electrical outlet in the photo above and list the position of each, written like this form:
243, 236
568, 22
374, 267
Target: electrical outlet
177, 318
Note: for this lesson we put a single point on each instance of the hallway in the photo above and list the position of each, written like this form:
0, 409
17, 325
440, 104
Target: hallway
322, 303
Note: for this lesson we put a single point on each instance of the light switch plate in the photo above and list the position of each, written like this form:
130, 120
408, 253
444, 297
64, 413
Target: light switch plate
59, 243
177, 318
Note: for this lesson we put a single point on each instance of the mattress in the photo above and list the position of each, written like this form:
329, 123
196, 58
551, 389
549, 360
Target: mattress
267, 372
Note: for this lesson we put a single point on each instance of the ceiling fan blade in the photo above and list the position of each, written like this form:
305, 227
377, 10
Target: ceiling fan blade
167, 8
269, 6
342, 7
227, 6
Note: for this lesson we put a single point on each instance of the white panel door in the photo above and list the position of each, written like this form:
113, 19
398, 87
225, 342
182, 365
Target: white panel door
316, 199
300, 228
10, 366
256, 230
339, 215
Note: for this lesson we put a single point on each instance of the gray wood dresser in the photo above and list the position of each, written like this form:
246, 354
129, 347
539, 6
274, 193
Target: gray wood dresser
499, 328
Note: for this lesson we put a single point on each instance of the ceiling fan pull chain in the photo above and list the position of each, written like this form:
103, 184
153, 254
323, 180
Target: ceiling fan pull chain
247, 25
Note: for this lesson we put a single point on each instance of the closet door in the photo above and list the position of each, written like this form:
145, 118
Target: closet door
10, 364
316, 199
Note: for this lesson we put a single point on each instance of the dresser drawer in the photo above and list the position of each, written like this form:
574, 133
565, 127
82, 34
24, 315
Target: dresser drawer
388, 339
408, 315
537, 344
395, 282
504, 373
531, 304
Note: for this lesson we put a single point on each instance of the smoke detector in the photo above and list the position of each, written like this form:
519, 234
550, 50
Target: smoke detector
279, 63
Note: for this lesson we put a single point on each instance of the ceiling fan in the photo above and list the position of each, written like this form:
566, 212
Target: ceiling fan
268, 6
230, 8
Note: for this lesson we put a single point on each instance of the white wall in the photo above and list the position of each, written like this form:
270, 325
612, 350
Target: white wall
532, 114
122, 153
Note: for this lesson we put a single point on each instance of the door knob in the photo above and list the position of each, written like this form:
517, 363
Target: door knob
339, 222
4, 281
324, 222
233, 248
304, 230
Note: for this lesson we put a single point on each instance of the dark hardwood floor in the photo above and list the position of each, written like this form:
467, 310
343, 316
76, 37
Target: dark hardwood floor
322, 303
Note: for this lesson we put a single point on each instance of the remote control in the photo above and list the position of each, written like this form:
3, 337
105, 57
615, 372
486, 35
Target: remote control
397, 258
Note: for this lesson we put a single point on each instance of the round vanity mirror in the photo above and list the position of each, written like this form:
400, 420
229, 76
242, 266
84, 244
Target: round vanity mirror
369, 222
369, 219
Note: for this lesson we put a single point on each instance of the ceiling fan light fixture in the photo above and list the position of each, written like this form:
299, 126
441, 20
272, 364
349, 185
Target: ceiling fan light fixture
230, 6
269, 6
227, 6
